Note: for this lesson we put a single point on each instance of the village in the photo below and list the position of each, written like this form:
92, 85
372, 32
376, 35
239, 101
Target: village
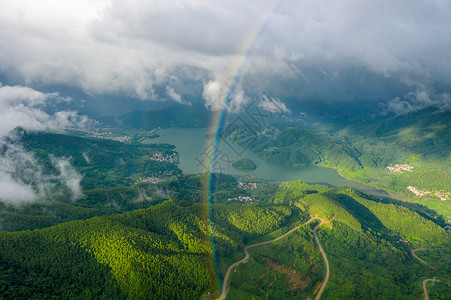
153, 180
442, 195
121, 139
247, 186
164, 158
102, 134
398, 168
244, 199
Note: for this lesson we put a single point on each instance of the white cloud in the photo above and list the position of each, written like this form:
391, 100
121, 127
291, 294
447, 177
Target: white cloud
273, 105
21, 177
417, 100
23, 180
14, 192
23, 106
129, 47
176, 97
68, 176
112, 46
14, 161
220, 94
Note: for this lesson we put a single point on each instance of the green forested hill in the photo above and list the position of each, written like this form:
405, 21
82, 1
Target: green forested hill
107, 201
177, 249
108, 171
112, 243
97, 202
425, 132
368, 244
421, 139
361, 212
182, 116
162, 252
102, 163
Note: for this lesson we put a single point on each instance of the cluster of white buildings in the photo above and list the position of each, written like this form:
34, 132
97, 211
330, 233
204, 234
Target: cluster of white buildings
167, 173
418, 192
153, 180
121, 139
244, 199
102, 135
247, 186
442, 195
399, 168
160, 157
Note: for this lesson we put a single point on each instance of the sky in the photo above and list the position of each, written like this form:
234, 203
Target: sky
394, 55
333, 51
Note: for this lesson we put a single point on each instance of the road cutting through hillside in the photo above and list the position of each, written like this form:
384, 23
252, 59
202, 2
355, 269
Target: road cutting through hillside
422, 261
425, 287
246, 257
326, 279
425, 282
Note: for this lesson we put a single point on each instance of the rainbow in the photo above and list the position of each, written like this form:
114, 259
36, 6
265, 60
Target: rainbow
219, 118
235, 72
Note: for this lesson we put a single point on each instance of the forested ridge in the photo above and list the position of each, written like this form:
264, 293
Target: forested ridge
181, 116
162, 252
126, 240
178, 249
363, 152
102, 163
362, 212
368, 243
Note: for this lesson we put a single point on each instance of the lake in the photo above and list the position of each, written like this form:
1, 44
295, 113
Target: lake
191, 144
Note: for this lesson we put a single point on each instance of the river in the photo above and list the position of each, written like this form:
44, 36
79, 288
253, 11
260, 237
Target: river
191, 144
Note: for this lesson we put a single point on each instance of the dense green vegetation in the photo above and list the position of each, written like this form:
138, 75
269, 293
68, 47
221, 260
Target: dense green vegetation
106, 201
108, 172
365, 213
102, 163
368, 247
162, 252
167, 251
244, 164
96, 202
288, 269
363, 152
127, 240
365, 266
418, 138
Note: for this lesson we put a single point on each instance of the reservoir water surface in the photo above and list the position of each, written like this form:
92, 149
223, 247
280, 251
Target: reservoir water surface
192, 146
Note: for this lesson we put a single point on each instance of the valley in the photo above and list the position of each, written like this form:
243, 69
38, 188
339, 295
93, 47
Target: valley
191, 143
148, 210
225, 150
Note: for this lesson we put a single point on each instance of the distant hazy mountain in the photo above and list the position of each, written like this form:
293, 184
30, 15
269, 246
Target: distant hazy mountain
184, 116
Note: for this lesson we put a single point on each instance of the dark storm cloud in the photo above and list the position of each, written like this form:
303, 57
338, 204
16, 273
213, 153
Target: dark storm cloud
298, 48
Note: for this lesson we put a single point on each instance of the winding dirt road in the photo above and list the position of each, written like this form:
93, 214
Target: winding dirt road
246, 257
425, 287
323, 285
425, 282
422, 261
